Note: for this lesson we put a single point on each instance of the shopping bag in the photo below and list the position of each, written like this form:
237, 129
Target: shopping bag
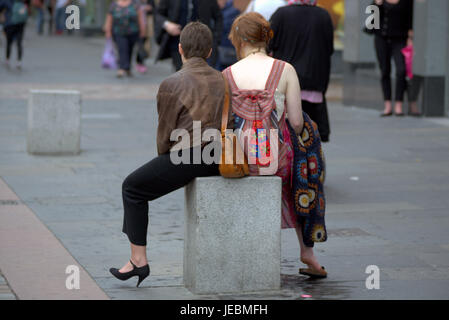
109, 61
408, 52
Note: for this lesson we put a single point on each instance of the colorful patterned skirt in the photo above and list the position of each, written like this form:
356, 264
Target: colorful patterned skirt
303, 198
307, 182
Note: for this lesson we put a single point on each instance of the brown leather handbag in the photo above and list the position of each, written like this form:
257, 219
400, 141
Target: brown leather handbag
231, 150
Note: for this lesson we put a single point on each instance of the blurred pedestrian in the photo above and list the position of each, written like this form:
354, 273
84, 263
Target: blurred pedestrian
304, 37
396, 24
16, 16
265, 7
49, 5
60, 15
173, 15
226, 51
125, 25
38, 5
209, 13
147, 7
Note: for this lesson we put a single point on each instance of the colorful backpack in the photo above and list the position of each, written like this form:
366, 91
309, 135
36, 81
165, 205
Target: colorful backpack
256, 120
19, 13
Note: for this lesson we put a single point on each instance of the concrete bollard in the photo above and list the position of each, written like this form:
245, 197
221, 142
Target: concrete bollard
54, 122
233, 235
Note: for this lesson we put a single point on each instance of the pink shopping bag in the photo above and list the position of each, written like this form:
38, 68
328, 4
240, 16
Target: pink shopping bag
109, 60
408, 53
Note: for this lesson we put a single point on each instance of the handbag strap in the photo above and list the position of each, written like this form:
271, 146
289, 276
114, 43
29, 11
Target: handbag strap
225, 116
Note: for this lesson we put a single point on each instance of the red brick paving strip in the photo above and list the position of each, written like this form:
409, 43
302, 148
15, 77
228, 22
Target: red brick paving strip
32, 259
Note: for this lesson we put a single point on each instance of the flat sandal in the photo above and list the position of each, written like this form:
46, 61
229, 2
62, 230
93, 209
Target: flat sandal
314, 274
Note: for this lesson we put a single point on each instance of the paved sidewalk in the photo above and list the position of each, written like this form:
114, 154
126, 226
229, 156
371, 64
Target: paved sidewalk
386, 188
5, 291
35, 263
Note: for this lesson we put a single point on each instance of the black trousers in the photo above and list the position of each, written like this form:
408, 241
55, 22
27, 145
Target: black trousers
173, 48
318, 113
125, 46
387, 49
14, 33
150, 182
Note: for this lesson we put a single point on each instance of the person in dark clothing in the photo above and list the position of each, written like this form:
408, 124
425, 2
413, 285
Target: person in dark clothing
172, 16
226, 51
39, 6
196, 93
143, 51
16, 15
396, 24
304, 37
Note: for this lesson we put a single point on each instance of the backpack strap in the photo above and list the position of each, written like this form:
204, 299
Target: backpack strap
275, 76
228, 75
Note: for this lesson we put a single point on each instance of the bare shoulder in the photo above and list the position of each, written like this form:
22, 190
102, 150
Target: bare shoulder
289, 76
289, 70
238, 65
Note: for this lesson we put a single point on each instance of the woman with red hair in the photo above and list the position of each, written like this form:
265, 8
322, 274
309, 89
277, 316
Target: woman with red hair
266, 98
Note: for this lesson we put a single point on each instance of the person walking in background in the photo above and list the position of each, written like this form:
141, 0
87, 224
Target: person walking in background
226, 51
304, 37
265, 91
39, 5
147, 7
173, 15
49, 5
16, 16
265, 7
60, 15
125, 25
396, 24
196, 93
209, 13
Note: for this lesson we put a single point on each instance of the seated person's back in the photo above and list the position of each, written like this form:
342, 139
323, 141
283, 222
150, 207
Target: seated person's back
195, 93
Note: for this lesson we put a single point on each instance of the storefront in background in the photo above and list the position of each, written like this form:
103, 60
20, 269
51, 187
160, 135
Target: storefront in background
336, 9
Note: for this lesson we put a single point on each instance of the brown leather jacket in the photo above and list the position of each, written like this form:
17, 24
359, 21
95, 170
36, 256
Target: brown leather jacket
195, 93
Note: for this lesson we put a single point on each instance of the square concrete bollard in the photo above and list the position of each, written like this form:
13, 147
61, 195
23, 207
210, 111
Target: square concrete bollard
54, 122
233, 235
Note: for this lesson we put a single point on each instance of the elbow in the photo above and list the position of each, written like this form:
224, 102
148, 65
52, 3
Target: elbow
297, 125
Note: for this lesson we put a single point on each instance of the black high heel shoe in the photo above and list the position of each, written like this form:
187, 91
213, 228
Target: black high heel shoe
142, 273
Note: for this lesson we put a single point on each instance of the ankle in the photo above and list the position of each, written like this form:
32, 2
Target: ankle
139, 261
